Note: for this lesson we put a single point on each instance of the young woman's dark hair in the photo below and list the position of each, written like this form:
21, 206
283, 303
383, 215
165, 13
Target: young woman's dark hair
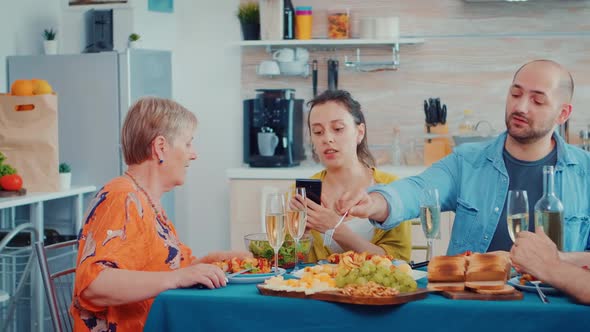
354, 108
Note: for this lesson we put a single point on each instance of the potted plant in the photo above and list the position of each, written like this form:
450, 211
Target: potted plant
249, 16
133, 40
49, 42
65, 176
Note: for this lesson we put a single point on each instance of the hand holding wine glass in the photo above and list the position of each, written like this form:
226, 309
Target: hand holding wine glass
517, 212
296, 217
275, 224
430, 216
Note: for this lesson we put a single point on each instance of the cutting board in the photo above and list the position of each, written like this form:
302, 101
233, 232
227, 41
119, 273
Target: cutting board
21, 192
467, 295
333, 296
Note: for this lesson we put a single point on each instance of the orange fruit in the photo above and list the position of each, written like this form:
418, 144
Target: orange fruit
41, 87
22, 88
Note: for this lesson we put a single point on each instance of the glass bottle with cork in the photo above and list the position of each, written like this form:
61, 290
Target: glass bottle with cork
549, 209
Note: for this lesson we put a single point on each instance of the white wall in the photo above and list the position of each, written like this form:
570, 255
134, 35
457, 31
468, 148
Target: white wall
206, 78
207, 81
21, 27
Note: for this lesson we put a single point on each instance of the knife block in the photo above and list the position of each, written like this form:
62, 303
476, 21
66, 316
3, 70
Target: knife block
437, 148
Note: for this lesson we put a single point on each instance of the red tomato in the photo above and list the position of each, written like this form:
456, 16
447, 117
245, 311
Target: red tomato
11, 182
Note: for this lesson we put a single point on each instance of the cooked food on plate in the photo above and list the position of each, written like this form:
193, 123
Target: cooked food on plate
258, 265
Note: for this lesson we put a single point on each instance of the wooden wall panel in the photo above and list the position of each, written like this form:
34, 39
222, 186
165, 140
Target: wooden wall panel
470, 55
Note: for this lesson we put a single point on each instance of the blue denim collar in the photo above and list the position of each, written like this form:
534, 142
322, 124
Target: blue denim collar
495, 150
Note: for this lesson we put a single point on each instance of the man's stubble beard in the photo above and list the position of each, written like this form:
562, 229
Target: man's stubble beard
530, 135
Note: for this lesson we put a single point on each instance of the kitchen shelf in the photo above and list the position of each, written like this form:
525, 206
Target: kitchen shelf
332, 44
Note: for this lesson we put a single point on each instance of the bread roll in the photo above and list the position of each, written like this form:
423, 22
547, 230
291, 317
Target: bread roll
446, 269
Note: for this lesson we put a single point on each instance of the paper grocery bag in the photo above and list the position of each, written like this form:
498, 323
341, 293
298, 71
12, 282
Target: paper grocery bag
29, 139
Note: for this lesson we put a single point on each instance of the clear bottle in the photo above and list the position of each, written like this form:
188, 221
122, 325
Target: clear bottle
549, 209
467, 125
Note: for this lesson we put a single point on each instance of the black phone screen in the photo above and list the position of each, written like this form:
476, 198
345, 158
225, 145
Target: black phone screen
313, 189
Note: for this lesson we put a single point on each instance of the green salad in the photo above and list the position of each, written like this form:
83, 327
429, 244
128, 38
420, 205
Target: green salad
287, 253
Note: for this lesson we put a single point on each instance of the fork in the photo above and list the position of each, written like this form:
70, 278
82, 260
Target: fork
329, 234
542, 296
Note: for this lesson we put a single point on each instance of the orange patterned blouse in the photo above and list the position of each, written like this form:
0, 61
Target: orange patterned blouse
122, 231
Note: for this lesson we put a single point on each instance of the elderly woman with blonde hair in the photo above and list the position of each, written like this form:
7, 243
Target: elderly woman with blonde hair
129, 251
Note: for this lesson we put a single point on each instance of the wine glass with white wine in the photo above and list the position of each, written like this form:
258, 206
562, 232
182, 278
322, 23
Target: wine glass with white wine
430, 216
517, 212
296, 217
275, 224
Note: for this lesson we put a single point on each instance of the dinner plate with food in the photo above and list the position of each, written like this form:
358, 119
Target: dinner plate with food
247, 270
523, 282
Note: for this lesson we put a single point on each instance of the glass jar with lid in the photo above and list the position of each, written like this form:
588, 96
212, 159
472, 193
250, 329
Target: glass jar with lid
339, 23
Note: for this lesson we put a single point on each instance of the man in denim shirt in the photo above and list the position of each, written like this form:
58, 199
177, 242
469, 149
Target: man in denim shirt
474, 180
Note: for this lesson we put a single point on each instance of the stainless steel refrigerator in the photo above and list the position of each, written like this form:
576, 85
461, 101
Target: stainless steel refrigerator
94, 93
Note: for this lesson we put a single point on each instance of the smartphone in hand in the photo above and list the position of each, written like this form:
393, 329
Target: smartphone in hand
313, 189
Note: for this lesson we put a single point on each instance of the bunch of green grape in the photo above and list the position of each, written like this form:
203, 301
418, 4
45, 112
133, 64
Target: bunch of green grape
383, 275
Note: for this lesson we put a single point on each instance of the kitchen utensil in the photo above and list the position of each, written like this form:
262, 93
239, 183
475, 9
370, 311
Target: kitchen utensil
239, 272
418, 265
331, 78
336, 65
314, 77
542, 296
443, 119
329, 234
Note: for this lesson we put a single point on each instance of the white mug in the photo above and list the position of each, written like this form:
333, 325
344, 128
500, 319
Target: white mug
301, 54
284, 55
267, 143
268, 67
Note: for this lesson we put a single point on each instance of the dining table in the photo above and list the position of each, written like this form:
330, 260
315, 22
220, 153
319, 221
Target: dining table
240, 307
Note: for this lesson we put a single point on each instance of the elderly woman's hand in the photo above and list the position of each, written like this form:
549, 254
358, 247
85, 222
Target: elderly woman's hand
207, 275
320, 217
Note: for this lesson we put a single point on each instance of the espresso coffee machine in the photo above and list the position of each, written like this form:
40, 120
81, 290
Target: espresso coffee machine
273, 129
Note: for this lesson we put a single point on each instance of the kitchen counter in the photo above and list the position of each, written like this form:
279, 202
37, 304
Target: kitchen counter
305, 171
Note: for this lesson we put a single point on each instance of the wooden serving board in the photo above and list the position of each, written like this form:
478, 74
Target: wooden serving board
467, 295
21, 192
333, 296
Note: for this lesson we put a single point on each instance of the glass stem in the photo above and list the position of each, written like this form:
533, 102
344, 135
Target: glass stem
430, 249
296, 267
276, 262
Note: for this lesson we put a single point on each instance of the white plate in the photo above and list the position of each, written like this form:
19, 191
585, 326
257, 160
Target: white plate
547, 290
416, 274
253, 278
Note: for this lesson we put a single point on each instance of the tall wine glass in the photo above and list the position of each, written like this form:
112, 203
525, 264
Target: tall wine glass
275, 224
296, 217
517, 212
430, 216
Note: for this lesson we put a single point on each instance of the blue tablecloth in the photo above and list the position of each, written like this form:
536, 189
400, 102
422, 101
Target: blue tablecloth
242, 308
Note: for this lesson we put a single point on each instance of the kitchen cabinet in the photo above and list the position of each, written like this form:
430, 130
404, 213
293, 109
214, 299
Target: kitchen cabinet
249, 185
